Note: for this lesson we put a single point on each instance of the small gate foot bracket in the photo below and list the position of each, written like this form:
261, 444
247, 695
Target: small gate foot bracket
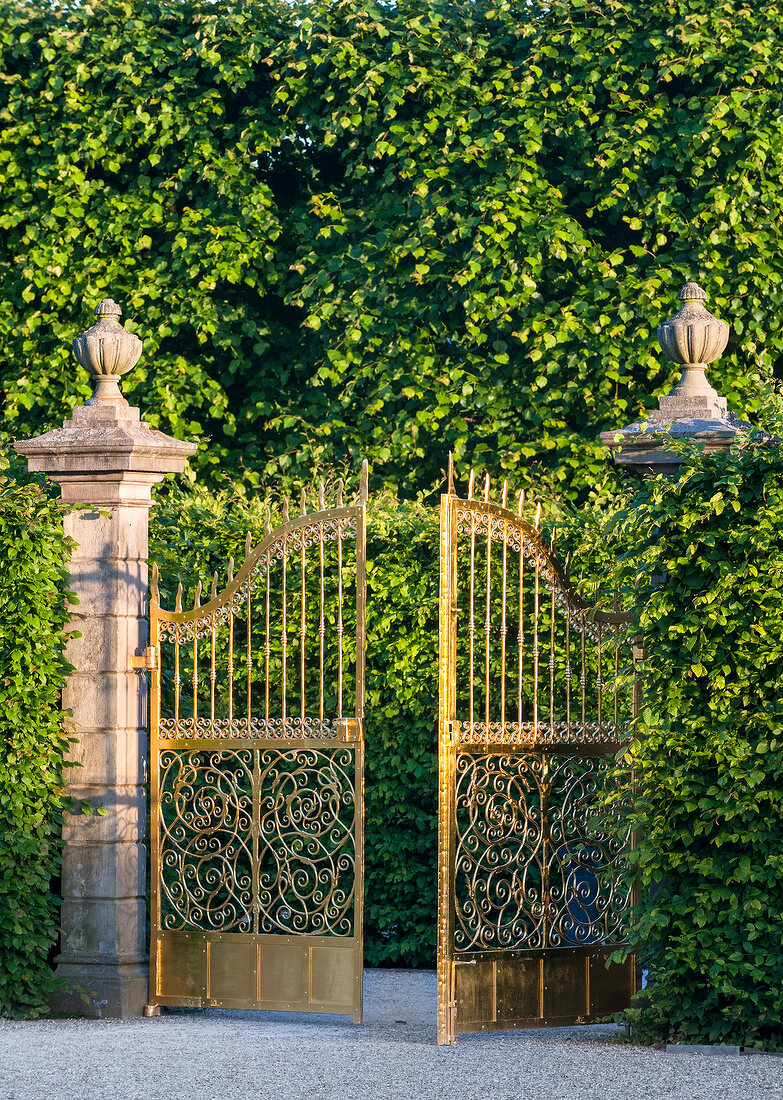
151, 1010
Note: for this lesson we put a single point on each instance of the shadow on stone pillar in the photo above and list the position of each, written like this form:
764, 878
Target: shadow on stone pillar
106, 460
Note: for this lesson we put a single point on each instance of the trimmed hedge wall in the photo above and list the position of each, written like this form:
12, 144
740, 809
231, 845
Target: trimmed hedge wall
192, 534
706, 765
33, 741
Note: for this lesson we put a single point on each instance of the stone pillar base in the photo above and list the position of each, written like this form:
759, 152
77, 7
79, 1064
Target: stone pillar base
121, 986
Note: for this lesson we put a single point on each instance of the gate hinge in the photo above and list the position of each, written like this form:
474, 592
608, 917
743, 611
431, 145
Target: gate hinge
451, 730
348, 729
146, 661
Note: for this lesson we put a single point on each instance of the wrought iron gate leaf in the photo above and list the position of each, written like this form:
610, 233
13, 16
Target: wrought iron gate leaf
536, 689
257, 758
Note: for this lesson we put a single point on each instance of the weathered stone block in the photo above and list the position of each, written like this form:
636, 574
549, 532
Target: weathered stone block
107, 643
113, 757
106, 700
110, 587
121, 535
104, 870
124, 820
106, 929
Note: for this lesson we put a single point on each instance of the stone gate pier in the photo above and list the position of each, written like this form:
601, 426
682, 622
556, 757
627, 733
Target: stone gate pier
106, 460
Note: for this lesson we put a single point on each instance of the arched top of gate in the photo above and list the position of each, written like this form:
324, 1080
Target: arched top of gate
294, 535
481, 516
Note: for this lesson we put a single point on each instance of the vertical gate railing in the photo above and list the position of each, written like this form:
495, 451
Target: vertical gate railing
535, 694
257, 763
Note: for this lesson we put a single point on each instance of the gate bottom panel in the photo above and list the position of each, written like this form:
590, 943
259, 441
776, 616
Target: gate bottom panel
500, 992
239, 970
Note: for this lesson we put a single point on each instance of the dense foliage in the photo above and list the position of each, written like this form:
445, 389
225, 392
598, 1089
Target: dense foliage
350, 228
194, 534
33, 743
708, 750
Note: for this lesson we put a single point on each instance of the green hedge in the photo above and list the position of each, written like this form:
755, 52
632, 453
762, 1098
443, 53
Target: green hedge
33, 742
707, 756
192, 534
347, 228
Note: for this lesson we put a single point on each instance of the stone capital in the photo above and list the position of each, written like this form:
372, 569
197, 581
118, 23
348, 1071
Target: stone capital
106, 455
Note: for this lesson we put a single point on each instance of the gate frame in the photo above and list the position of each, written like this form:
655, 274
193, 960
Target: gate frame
349, 732
448, 747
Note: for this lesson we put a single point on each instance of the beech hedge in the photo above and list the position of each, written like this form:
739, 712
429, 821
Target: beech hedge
705, 769
353, 229
33, 738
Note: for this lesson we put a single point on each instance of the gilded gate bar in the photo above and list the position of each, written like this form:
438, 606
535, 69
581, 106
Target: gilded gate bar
257, 763
532, 890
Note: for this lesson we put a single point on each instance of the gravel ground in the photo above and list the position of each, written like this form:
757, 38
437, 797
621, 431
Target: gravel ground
213, 1055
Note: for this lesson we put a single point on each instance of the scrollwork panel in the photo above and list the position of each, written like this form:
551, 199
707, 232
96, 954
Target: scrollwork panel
539, 857
589, 891
500, 852
205, 823
307, 851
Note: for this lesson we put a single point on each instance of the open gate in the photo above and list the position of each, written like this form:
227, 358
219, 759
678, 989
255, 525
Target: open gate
533, 700
256, 749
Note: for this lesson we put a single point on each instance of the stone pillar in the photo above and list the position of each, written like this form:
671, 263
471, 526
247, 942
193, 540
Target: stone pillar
106, 460
693, 411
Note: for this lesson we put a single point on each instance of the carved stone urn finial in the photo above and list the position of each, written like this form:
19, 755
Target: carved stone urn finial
693, 411
693, 338
107, 351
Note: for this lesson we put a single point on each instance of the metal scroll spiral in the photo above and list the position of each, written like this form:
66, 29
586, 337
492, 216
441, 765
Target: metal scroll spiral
306, 843
589, 889
539, 858
500, 852
206, 877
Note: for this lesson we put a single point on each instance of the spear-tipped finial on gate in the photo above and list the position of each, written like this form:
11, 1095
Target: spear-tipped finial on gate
552, 539
568, 566
321, 497
230, 570
154, 590
364, 483
521, 503
504, 499
249, 538
107, 351
537, 521
303, 502
197, 600
213, 592
339, 492
486, 488
450, 485
178, 601
471, 484
286, 510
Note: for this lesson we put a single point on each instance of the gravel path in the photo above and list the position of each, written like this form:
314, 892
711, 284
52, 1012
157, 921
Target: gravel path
213, 1055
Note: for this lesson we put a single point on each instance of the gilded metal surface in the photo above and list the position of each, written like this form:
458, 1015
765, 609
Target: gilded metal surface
535, 691
534, 869
257, 763
307, 853
205, 841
